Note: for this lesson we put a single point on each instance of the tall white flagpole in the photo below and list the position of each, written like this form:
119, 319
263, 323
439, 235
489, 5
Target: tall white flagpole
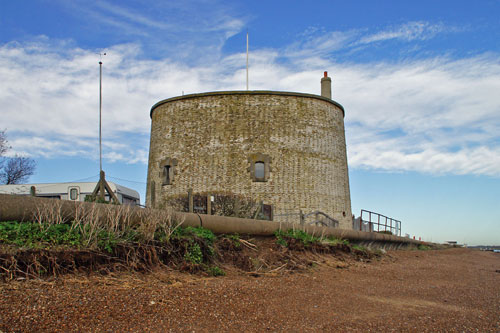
100, 108
247, 59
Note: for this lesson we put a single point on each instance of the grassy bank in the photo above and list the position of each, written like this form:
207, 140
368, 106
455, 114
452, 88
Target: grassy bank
104, 240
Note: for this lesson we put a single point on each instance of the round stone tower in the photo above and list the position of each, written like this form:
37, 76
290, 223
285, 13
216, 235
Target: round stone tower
282, 148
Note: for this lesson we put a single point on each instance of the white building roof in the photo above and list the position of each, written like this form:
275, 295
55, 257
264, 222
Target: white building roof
61, 188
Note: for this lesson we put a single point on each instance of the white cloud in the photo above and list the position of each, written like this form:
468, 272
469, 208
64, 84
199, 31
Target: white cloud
438, 115
434, 115
409, 31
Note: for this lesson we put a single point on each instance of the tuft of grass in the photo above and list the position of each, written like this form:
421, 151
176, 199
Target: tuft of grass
235, 238
359, 247
216, 271
282, 237
423, 247
334, 241
34, 235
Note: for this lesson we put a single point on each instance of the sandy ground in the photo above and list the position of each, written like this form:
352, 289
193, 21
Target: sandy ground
418, 291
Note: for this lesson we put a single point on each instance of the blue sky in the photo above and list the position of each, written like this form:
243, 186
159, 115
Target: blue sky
419, 82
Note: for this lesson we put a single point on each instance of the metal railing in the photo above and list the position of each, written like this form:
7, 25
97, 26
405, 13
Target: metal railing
321, 219
288, 216
376, 222
313, 218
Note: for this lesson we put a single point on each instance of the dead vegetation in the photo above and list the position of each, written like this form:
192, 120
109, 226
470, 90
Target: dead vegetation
106, 239
255, 257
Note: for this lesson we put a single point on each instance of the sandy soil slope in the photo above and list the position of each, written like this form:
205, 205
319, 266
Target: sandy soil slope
436, 290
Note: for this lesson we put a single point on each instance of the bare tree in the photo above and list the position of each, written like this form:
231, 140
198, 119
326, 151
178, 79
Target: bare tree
14, 170
17, 170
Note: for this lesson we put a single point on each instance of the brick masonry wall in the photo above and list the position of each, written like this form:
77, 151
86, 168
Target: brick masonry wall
211, 137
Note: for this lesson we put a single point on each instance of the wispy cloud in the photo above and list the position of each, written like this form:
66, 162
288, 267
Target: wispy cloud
318, 44
183, 30
417, 30
123, 13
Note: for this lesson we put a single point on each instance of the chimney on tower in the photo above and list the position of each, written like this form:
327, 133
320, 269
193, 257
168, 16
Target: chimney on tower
326, 86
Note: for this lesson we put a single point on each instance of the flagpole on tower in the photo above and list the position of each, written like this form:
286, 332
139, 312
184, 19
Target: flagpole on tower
247, 59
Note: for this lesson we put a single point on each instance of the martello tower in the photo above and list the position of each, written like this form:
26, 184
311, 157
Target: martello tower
286, 149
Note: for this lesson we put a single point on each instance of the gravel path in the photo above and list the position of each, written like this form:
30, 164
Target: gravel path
442, 290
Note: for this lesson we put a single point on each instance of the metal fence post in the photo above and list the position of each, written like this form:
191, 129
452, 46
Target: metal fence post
190, 200
209, 204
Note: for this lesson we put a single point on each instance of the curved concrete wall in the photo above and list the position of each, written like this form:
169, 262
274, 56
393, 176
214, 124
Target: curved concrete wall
23, 208
211, 140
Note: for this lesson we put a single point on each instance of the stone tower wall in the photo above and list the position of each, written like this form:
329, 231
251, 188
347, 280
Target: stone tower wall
210, 140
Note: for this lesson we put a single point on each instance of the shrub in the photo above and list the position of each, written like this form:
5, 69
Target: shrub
235, 239
28, 234
194, 254
359, 248
282, 237
216, 271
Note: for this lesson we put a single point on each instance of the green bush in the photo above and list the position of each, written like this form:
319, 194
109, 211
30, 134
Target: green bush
334, 241
28, 234
305, 238
200, 244
216, 271
235, 238
359, 247
194, 254
283, 237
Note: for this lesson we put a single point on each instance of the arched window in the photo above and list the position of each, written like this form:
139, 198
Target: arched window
260, 170
259, 167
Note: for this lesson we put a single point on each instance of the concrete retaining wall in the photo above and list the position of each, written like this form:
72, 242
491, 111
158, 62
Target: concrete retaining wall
23, 208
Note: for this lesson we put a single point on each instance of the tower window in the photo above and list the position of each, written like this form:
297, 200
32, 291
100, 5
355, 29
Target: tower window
259, 170
168, 170
260, 167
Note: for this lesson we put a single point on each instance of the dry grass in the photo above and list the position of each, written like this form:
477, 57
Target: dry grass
117, 221
109, 238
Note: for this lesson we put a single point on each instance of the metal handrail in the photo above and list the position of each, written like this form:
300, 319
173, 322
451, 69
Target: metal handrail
332, 222
392, 225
